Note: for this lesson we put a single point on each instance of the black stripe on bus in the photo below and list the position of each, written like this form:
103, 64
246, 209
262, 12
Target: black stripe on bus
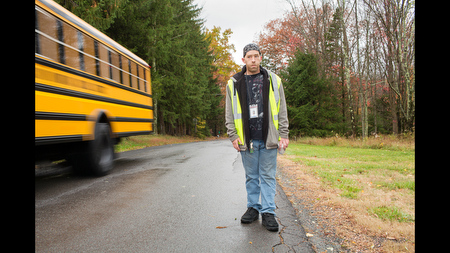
127, 119
59, 116
57, 139
125, 134
86, 75
82, 117
78, 138
72, 93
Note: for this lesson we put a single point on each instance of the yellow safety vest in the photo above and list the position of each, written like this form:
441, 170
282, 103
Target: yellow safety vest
274, 102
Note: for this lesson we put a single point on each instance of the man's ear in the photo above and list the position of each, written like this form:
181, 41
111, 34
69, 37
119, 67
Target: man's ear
243, 60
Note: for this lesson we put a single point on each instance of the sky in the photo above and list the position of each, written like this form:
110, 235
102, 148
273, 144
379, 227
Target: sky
246, 18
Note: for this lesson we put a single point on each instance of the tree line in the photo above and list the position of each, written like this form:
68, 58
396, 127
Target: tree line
348, 65
188, 62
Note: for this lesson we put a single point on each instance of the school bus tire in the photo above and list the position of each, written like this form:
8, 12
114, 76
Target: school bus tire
101, 151
95, 157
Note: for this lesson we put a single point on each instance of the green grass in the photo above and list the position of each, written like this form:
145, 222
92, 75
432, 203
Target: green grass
353, 170
391, 213
143, 141
372, 181
341, 167
354, 160
411, 185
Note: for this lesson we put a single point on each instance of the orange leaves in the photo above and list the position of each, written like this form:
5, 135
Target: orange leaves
222, 50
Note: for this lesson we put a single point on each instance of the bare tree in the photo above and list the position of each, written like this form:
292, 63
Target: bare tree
396, 19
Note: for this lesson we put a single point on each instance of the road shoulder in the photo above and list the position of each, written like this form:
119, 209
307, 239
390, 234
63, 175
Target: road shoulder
303, 217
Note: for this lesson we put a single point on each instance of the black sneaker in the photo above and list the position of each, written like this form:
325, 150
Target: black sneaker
269, 222
250, 216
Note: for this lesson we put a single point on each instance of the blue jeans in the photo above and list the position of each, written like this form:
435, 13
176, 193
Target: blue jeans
260, 168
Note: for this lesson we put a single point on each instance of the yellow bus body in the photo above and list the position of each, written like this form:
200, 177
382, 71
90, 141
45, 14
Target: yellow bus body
70, 100
89, 91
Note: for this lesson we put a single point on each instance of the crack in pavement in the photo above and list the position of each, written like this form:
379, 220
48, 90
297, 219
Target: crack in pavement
292, 235
280, 234
302, 217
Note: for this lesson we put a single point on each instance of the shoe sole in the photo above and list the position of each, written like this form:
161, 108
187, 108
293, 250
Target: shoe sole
272, 229
249, 221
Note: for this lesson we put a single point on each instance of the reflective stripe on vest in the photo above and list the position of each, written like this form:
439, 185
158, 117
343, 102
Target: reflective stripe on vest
237, 111
274, 97
274, 101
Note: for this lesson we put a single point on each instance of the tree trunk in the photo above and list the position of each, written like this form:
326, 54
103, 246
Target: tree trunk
346, 51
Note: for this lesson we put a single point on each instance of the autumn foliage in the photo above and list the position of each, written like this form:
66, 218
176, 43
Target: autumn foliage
364, 51
225, 67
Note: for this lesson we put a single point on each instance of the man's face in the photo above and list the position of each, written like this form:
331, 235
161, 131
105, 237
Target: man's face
252, 60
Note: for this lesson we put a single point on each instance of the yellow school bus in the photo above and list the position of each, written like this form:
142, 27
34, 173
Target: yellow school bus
89, 91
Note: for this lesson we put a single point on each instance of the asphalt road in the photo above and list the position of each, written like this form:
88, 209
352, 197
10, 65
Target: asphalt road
162, 199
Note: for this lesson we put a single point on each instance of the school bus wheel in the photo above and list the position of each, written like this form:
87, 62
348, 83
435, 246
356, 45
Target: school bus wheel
101, 150
95, 157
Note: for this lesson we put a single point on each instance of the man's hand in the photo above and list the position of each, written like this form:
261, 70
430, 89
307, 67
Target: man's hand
284, 143
236, 144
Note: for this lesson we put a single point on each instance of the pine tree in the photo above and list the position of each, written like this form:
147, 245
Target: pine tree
311, 105
101, 14
168, 34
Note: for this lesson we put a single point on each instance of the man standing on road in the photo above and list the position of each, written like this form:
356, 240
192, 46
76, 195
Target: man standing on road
257, 124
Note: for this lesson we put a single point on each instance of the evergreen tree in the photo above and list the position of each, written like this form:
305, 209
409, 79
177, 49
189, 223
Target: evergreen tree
309, 99
168, 34
98, 13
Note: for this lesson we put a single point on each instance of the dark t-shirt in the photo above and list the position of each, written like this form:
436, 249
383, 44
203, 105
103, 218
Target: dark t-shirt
255, 104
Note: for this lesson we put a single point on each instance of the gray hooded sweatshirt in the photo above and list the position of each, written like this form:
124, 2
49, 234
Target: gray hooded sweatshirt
270, 133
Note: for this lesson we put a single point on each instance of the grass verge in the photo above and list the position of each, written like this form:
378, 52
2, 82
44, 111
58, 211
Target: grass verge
143, 141
368, 190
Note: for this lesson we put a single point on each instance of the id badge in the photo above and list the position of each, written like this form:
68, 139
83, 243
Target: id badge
254, 111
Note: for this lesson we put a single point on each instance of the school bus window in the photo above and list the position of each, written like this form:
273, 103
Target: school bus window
47, 36
145, 81
141, 72
81, 49
115, 66
120, 69
133, 76
110, 62
104, 66
36, 35
97, 55
125, 70
88, 48
61, 51
129, 72
71, 41
137, 74
97, 62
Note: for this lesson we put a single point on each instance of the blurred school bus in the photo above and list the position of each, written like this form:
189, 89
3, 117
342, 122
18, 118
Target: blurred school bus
89, 91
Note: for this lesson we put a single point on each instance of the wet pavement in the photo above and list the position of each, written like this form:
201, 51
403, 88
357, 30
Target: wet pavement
174, 198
